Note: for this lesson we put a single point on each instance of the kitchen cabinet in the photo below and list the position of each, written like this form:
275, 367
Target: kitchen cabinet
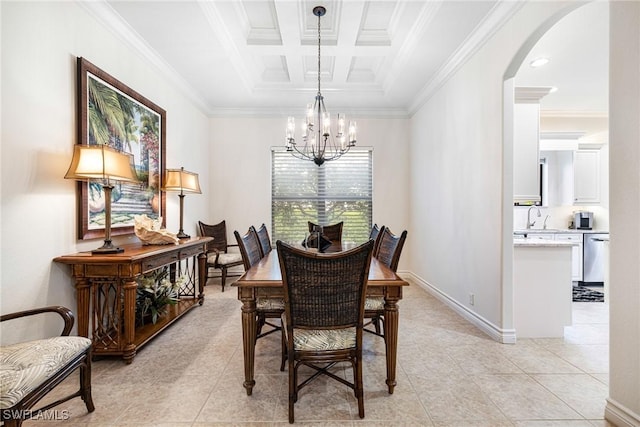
576, 249
526, 137
578, 177
542, 292
576, 254
541, 236
586, 177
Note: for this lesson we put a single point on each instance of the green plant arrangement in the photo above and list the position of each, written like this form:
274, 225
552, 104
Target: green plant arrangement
154, 294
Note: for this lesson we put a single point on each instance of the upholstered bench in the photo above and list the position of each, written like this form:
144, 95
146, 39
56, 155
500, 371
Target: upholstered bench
29, 370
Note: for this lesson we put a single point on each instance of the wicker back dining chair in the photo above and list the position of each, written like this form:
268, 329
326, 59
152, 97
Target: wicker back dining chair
249, 247
267, 307
263, 237
375, 235
332, 232
324, 311
388, 250
218, 255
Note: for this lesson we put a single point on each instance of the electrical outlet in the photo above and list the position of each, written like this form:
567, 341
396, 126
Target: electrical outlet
472, 299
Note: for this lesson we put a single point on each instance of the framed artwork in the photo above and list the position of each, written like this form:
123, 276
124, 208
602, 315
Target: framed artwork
111, 113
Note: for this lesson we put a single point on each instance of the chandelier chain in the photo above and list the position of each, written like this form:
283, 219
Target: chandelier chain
319, 93
319, 143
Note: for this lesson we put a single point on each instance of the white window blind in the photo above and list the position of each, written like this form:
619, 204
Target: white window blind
339, 190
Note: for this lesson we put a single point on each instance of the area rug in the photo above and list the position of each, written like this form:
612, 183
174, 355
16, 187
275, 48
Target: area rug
582, 294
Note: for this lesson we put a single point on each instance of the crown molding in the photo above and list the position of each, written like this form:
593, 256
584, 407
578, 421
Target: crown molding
284, 112
530, 95
427, 14
106, 15
574, 114
218, 26
562, 135
494, 20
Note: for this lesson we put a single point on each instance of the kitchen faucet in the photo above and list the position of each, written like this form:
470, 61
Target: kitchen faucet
529, 222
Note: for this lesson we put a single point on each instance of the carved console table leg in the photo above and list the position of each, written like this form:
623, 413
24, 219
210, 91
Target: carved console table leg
202, 276
391, 335
83, 295
130, 287
249, 330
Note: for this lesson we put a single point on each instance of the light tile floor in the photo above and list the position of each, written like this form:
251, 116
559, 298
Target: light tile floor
449, 374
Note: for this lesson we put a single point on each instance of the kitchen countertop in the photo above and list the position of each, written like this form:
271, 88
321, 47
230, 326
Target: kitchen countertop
542, 243
558, 230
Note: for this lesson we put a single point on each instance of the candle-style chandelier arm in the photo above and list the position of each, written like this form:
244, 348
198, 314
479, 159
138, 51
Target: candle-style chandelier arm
318, 142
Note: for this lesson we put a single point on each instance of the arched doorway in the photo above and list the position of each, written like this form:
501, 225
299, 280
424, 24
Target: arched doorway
575, 112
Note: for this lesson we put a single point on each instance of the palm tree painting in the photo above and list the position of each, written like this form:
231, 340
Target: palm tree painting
114, 115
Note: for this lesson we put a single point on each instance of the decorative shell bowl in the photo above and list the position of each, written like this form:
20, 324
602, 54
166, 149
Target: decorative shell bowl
149, 232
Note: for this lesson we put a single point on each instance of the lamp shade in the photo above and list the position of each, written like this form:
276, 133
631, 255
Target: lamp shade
181, 180
100, 162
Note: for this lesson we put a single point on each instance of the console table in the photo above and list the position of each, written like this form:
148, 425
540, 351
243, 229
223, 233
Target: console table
106, 291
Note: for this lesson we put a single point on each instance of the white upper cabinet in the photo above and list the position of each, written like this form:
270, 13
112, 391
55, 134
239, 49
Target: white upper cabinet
586, 177
526, 124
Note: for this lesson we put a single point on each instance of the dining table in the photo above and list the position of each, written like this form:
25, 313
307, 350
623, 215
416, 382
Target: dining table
264, 279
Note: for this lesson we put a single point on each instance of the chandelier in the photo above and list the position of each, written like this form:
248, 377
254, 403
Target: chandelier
318, 143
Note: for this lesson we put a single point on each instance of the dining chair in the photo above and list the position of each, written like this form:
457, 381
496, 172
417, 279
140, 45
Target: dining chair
30, 369
332, 232
374, 235
249, 247
266, 307
324, 314
263, 237
388, 250
218, 255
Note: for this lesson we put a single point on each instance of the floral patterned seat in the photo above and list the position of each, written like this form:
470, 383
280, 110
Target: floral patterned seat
25, 366
29, 370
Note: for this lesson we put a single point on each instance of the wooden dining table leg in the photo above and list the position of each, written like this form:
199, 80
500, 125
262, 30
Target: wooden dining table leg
391, 316
249, 330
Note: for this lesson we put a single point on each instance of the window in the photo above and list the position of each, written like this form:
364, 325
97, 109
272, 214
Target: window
339, 190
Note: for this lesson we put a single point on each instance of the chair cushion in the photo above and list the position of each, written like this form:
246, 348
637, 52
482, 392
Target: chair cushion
321, 339
324, 339
24, 366
225, 259
269, 304
374, 303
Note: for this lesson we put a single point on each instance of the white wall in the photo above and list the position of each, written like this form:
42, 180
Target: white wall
40, 43
461, 212
457, 176
241, 170
624, 306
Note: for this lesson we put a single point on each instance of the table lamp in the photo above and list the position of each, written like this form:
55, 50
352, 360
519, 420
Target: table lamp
105, 164
179, 180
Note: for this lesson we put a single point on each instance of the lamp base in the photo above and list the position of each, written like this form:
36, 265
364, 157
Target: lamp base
107, 248
182, 235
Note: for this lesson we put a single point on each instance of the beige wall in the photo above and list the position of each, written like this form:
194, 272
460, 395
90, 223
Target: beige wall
40, 43
461, 196
461, 182
240, 171
624, 307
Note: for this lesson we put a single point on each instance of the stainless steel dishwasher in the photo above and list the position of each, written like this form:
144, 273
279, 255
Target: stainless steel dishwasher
593, 258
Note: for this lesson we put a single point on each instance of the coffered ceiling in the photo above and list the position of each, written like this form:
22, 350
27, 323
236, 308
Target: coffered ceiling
378, 57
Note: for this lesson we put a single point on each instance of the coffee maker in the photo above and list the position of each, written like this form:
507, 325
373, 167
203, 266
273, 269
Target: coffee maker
583, 220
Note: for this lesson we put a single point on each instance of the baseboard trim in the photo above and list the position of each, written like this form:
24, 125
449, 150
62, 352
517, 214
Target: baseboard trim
505, 336
620, 415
